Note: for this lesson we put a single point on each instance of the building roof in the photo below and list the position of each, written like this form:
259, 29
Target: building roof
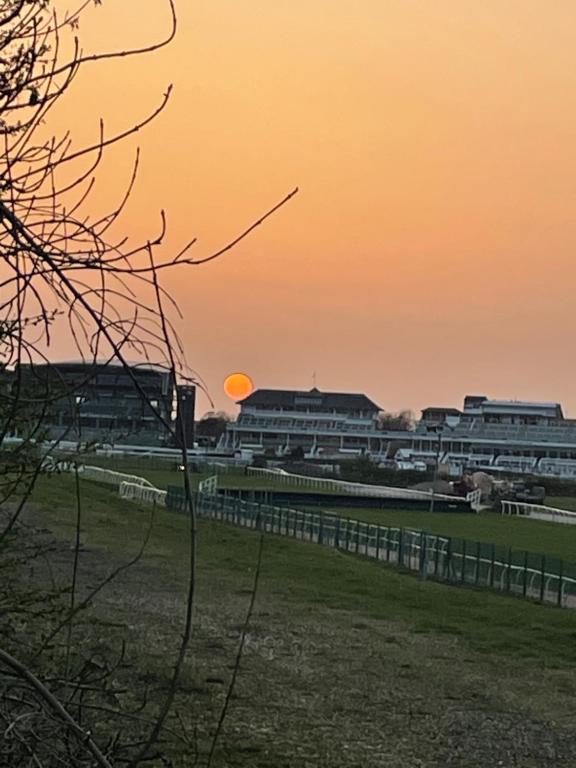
292, 398
439, 409
515, 406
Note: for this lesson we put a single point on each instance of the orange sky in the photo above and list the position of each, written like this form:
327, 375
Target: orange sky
431, 250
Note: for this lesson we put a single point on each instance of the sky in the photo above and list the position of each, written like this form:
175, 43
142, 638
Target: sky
430, 251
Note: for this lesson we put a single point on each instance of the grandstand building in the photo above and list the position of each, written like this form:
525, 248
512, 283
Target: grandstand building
103, 402
498, 435
317, 424
493, 435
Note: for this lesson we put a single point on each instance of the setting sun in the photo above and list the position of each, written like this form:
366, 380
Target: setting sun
238, 385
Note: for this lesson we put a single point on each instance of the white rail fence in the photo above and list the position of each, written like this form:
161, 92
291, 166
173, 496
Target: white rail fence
142, 493
538, 512
342, 486
446, 559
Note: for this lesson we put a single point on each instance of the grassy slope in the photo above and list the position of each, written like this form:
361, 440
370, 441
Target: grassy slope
308, 574
533, 535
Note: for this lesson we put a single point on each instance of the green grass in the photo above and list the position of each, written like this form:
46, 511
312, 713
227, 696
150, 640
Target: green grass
552, 539
561, 502
309, 575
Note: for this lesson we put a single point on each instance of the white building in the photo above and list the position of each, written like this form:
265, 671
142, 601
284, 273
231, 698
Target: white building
319, 424
499, 435
495, 435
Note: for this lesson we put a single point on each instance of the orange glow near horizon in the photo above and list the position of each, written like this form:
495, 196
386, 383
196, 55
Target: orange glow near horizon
238, 386
430, 251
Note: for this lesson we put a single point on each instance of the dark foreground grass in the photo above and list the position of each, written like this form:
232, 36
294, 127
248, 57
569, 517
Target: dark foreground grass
307, 574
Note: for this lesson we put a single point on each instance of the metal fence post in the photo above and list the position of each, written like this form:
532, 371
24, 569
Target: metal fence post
478, 554
463, 571
542, 578
509, 570
377, 542
423, 565
560, 583
525, 582
401, 547
492, 566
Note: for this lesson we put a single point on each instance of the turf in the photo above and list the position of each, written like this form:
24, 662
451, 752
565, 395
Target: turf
553, 539
308, 574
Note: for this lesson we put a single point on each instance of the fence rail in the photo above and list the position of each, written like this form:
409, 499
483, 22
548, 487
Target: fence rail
455, 561
342, 486
538, 512
143, 493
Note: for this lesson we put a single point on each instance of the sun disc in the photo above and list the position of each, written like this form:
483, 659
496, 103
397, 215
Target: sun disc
238, 386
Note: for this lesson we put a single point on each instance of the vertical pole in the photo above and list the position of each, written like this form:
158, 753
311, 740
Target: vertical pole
542, 578
337, 534
436, 555
401, 547
463, 572
478, 553
525, 581
377, 542
436, 465
492, 566
423, 556
357, 535
388, 543
321, 529
509, 570
560, 583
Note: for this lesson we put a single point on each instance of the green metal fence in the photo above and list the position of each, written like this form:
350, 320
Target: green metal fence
452, 560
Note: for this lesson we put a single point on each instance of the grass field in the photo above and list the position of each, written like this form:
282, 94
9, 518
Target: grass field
551, 539
312, 574
347, 662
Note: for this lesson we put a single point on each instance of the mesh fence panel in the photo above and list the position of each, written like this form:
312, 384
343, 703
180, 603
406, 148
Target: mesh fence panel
455, 560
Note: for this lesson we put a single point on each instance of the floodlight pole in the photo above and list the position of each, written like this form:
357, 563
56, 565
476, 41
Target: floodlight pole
438, 430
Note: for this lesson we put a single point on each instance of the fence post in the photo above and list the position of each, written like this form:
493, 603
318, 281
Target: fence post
377, 542
423, 555
321, 529
357, 536
525, 582
447, 574
492, 566
401, 547
436, 555
337, 534
509, 570
478, 553
560, 583
388, 542
542, 578
463, 571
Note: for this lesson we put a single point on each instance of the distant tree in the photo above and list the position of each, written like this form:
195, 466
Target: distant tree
213, 425
400, 421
